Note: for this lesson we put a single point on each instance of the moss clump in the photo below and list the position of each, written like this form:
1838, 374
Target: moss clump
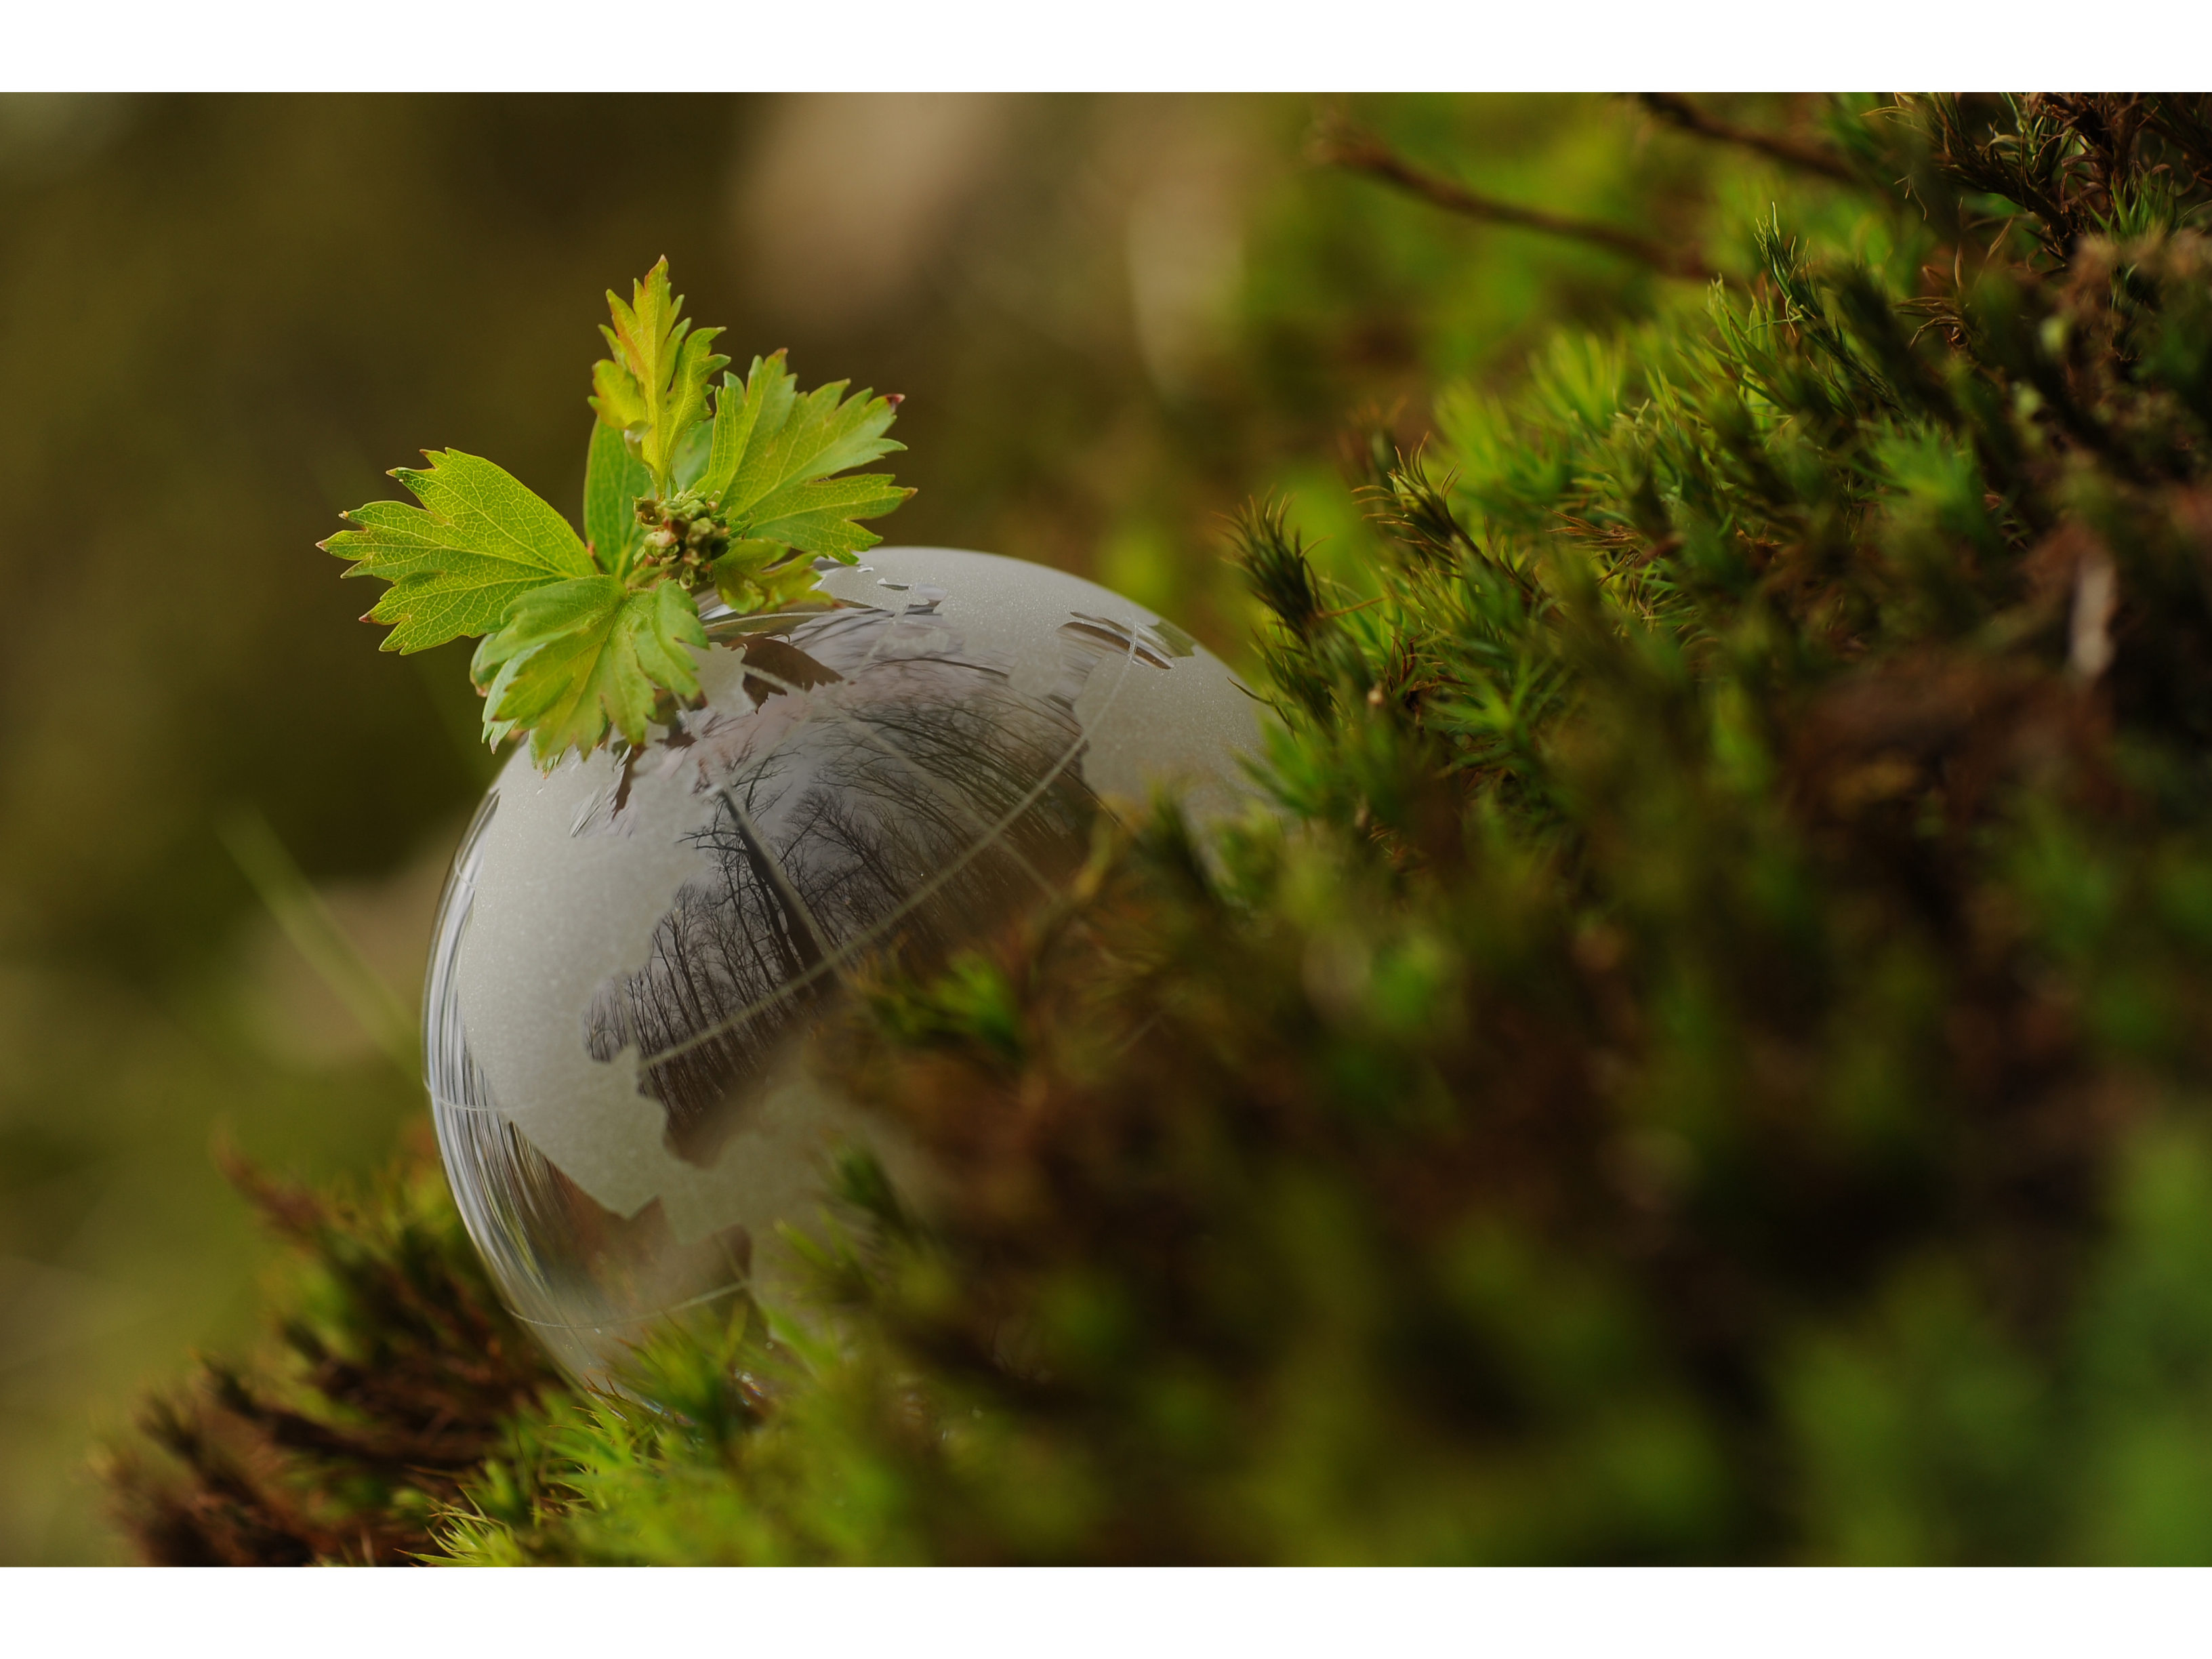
396, 1374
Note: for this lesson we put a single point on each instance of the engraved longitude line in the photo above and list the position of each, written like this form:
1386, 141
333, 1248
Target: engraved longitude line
806, 716
937, 786
734, 1287
882, 638
867, 661
775, 870
821, 943
860, 941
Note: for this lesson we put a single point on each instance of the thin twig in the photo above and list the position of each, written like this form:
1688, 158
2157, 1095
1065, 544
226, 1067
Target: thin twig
1814, 158
1361, 152
1328, 616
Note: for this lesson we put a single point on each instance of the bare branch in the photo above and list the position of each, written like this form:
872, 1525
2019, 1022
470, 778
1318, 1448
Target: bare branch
1338, 145
1672, 107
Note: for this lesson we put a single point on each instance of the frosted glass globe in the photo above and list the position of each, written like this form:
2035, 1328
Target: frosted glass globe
628, 959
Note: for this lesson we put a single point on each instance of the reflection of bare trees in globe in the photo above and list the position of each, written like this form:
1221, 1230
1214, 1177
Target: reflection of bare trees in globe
899, 796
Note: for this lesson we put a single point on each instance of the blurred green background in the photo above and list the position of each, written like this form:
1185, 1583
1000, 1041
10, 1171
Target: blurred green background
1113, 319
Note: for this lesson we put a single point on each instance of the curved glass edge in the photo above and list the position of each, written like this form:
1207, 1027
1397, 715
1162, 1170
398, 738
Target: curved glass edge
587, 1283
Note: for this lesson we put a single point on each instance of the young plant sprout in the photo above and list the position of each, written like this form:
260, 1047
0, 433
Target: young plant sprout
690, 491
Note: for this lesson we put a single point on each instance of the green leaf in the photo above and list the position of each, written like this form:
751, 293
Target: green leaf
754, 576
480, 540
773, 454
614, 478
575, 657
654, 387
819, 516
760, 404
690, 458
822, 436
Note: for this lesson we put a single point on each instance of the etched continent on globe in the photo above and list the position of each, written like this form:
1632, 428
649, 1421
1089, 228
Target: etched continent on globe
629, 957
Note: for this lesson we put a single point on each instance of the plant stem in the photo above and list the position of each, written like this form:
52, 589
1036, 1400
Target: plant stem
1337, 145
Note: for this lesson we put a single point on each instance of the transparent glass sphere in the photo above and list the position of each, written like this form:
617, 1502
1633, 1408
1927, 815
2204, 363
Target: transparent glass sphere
629, 957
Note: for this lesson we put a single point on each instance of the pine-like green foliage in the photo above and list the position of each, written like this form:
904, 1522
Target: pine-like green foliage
1711, 1061
396, 1373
